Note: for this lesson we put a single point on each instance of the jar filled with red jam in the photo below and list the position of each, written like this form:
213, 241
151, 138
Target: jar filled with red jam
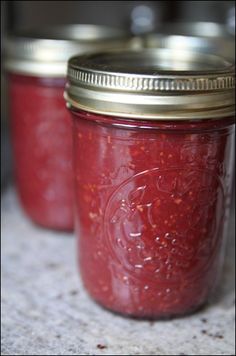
40, 123
153, 150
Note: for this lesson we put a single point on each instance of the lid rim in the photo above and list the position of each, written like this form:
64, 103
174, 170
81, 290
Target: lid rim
208, 114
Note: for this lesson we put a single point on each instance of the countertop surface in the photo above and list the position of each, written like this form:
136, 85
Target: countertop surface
45, 310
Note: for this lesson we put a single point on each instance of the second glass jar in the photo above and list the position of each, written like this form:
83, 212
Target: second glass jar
40, 124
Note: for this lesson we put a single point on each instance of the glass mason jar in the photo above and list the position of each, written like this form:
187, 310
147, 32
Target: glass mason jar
153, 151
40, 123
206, 37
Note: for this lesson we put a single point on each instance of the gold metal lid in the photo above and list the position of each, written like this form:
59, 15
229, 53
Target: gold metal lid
46, 51
206, 37
198, 29
152, 84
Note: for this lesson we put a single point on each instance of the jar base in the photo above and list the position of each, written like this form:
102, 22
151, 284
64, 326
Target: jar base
47, 225
145, 317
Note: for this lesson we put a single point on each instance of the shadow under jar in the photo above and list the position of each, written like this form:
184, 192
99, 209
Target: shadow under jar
153, 151
40, 124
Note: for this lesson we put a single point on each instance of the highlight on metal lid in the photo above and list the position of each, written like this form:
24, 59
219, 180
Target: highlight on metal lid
206, 37
152, 84
197, 29
46, 51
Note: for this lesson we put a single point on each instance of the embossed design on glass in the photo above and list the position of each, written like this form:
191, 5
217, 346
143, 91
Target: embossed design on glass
158, 246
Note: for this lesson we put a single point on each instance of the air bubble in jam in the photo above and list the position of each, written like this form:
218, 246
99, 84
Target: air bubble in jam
161, 231
135, 234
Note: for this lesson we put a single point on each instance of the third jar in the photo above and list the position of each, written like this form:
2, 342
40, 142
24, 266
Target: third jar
153, 182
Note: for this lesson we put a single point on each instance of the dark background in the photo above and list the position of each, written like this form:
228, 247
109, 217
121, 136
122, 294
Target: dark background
17, 15
23, 14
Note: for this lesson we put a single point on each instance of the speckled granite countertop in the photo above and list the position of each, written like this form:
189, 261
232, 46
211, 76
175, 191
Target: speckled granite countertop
45, 310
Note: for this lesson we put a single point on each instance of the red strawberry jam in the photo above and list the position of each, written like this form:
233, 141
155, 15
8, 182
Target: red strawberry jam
151, 210
42, 149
